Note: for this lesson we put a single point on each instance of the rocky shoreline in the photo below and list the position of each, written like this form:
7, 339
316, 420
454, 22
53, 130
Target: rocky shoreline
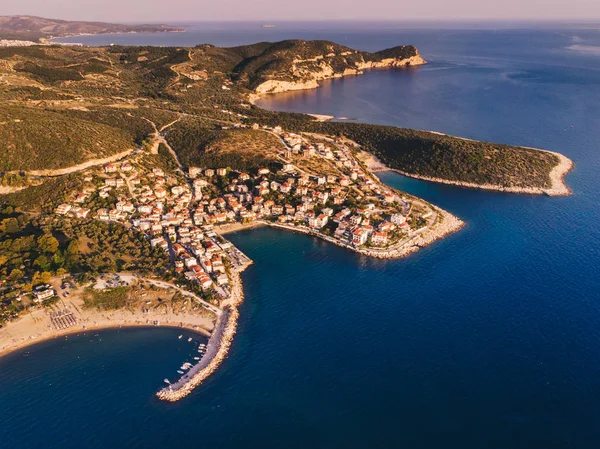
326, 73
217, 348
557, 175
449, 225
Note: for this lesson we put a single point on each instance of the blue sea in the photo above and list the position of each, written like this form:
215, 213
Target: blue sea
489, 338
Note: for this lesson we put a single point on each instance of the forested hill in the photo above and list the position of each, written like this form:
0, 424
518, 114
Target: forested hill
451, 158
297, 61
61, 106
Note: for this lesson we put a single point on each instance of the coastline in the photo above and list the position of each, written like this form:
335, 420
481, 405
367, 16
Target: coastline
217, 348
450, 224
277, 87
52, 40
230, 228
322, 117
557, 175
202, 328
226, 327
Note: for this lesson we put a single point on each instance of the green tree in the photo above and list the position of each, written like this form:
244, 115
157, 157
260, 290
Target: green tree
42, 262
15, 275
73, 248
47, 243
9, 225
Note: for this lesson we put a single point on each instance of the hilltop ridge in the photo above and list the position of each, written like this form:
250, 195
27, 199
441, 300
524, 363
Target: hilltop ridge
297, 64
34, 28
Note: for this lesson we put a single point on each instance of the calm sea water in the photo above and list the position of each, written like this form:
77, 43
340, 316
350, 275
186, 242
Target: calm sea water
487, 339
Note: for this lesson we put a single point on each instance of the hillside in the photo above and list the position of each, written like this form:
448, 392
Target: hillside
38, 140
435, 155
83, 103
207, 146
33, 28
297, 64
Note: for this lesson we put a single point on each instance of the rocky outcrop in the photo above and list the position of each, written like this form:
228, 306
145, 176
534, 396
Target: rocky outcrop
306, 74
394, 62
274, 86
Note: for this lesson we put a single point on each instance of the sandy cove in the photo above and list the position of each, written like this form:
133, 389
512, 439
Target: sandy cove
557, 175
36, 326
235, 227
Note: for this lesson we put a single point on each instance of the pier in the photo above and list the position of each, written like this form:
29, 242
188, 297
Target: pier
216, 350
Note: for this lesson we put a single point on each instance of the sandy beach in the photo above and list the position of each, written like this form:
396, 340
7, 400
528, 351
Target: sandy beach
234, 227
322, 117
36, 326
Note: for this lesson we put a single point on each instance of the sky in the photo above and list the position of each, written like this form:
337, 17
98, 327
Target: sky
264, 10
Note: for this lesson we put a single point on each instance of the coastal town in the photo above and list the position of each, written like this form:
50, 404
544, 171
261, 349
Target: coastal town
313, 184
320, 189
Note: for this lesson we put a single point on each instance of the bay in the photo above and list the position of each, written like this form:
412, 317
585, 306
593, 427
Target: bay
487, 338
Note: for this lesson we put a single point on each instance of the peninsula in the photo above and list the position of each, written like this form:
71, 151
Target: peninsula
125, 167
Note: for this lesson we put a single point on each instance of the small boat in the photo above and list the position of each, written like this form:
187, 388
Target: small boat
180, 372
167, 381
196, 358
180, 337
189, 339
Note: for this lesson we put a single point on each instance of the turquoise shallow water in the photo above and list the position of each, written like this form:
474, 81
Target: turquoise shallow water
488, 338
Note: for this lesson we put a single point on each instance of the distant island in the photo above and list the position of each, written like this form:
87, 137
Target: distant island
36, 29
125, 168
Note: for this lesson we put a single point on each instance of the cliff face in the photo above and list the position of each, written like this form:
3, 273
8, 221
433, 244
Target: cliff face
306, 74
270, 67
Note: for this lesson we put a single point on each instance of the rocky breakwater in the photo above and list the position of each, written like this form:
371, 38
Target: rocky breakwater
307, 73
216, 351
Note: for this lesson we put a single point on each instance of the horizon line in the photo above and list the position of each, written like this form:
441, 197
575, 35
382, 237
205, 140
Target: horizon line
589, 21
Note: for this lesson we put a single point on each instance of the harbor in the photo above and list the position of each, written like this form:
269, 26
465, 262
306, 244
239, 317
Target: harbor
216, 349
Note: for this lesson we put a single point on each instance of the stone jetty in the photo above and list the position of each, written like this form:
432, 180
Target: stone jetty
216, 350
